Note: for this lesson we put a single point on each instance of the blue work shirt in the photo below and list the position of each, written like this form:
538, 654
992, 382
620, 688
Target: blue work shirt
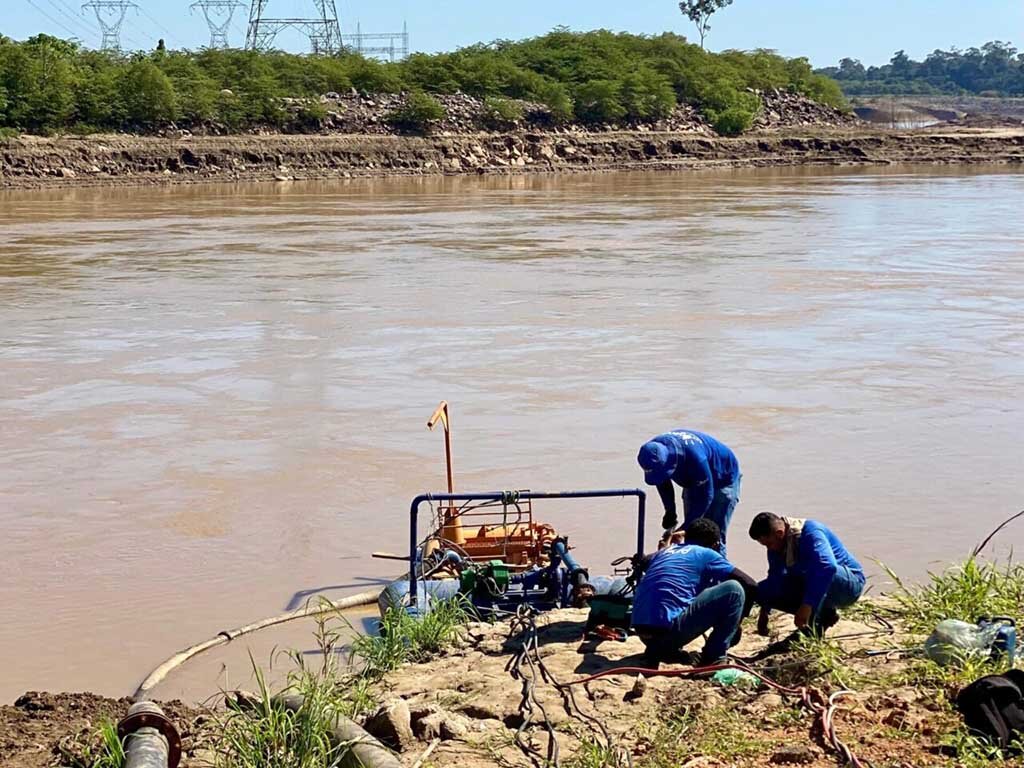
820, 554
702, 465
675, 576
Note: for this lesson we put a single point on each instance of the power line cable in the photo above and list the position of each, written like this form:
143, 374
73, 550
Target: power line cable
75, 34
81, 23
76, 15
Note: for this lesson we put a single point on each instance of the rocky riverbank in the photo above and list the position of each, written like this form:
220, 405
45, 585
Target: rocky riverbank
110, 160
482, 703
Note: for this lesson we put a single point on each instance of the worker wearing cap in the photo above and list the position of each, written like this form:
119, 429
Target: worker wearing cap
703, 467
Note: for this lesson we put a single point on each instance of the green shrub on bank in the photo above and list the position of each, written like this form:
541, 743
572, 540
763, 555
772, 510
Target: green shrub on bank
48, 85
501, 113
418, 114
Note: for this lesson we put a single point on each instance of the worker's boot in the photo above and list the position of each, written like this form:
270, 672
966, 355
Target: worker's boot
654, 660
822, 623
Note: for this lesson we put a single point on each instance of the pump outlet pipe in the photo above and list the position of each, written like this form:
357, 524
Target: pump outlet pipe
150, 739
361, 750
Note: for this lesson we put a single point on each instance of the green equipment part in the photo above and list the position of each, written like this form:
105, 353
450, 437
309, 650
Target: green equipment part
611, 611
495, 576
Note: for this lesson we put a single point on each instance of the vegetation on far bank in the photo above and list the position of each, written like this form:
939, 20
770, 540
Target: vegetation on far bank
995, 69
49, 85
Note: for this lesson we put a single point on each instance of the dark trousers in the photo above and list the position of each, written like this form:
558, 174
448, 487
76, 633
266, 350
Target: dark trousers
787, 595
718, 608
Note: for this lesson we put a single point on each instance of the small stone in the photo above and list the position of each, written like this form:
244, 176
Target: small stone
428, 728
392, 724
795, 755
638, 690
711, 700
66, 173
441, 725
771, 701
902, 720
282, 178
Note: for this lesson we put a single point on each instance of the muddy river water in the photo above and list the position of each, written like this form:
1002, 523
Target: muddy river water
213, 400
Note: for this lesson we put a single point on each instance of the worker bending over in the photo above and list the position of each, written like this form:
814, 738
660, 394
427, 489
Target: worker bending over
704, 468
686, 590
810, 572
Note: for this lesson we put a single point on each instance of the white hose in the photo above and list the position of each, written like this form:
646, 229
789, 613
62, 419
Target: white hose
158, 675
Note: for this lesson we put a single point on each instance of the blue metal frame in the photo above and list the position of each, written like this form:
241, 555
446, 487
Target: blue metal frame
641, 513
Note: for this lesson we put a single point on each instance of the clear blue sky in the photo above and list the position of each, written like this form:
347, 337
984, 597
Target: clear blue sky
823, 30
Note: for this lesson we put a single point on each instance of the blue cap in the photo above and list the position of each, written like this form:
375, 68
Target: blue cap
657, 461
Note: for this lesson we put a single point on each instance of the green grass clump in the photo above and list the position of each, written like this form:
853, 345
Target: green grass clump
592, 754
966, 592
826, 660
266, 734
719, 731
409, 639
101, 748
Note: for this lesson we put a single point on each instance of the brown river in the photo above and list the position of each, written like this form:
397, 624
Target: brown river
213, 399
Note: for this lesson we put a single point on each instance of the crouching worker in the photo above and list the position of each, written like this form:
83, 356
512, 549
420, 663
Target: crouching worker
810, 572
686, 590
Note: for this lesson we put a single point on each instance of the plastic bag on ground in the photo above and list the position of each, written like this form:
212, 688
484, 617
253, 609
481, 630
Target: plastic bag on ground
955, 640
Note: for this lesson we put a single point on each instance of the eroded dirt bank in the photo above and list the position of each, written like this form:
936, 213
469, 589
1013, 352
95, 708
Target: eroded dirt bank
130, 160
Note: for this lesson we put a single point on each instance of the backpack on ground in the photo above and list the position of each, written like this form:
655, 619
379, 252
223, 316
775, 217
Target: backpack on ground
993, 706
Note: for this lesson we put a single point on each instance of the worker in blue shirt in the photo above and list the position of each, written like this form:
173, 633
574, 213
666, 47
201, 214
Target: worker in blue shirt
686, 590
810, 573
707, 471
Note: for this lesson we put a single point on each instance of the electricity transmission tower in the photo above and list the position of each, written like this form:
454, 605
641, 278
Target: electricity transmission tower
394, 45
110, 15
218, 15
324, 30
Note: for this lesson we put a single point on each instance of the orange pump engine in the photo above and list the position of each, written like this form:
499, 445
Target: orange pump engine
502, 530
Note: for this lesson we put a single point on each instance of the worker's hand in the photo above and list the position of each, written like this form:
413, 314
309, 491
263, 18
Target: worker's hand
671, 537
762, 621
803, 616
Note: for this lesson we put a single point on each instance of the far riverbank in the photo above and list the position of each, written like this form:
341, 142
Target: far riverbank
118, 160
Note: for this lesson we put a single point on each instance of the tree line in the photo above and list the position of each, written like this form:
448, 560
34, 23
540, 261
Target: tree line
52, 85
995, 69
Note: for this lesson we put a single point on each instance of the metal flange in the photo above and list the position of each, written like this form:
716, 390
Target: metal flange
146, 714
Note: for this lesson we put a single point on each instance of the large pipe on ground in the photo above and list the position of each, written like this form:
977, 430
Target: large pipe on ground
150, 739
361, 749
157, 675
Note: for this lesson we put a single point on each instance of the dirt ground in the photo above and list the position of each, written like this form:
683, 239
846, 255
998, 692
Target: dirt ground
472, 703
42, 729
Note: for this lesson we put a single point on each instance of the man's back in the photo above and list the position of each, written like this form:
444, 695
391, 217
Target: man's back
696, 449
674, 578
